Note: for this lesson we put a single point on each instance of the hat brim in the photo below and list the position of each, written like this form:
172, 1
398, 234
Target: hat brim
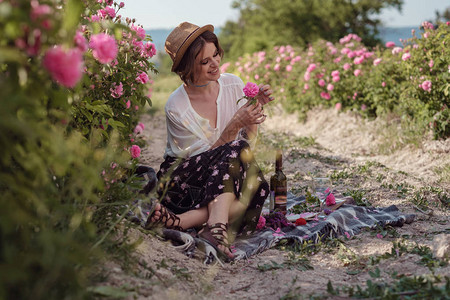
187, 42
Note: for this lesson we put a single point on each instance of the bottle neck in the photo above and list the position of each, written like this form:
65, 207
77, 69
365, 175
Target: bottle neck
279, 161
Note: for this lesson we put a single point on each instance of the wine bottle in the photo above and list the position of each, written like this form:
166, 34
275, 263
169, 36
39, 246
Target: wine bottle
278, 185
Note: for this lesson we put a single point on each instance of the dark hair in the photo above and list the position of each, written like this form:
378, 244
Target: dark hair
185, 68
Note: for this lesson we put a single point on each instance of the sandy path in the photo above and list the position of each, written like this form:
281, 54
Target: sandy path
344, 143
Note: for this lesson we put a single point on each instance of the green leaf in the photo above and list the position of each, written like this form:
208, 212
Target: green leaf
353, 272
9, 54
375, 274
109, 291
149, 101
99, 107
115, 124
73, 10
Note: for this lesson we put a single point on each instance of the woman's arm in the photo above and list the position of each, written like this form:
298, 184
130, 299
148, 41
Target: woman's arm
247, 117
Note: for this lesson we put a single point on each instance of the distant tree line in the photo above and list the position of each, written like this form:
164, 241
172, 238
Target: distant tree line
263, 24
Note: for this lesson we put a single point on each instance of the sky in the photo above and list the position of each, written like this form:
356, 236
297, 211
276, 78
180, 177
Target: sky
155, 14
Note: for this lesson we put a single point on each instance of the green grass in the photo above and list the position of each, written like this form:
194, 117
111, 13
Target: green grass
397, 133
444, 173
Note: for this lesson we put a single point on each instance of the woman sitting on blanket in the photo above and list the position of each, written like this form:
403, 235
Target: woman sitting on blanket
209, 177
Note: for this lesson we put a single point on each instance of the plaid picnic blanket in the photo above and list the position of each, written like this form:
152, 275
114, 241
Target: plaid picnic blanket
348, 220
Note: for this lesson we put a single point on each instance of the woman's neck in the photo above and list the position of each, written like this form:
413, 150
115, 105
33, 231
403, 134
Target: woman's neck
201, 88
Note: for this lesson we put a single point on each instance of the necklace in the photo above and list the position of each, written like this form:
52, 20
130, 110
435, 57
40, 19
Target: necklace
202, 85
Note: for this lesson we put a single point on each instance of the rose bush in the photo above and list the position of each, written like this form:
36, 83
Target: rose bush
411, 81
70, 104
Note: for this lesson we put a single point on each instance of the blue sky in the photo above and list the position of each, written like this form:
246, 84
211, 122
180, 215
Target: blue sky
154, 14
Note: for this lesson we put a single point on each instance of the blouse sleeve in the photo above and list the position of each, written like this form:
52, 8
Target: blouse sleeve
183, 142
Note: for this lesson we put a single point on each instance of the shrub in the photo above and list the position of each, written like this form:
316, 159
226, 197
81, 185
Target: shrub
69, 107
410, 81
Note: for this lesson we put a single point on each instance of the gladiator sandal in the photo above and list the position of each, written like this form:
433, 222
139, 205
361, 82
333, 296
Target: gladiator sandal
167, 218
215, 234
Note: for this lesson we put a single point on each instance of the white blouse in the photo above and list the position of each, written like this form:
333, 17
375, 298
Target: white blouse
188, 133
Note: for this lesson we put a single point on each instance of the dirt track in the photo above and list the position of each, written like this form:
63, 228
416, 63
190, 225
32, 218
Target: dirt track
341, 146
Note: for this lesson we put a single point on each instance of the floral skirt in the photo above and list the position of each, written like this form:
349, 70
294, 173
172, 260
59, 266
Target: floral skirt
193, 182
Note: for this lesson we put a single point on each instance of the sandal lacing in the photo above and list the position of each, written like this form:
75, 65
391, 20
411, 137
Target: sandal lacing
215, 234
167, 218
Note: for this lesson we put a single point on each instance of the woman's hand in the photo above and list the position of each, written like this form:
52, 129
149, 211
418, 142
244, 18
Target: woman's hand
250, 114
264, 95
247, 117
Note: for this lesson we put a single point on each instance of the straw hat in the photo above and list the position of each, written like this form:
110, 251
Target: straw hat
181, 38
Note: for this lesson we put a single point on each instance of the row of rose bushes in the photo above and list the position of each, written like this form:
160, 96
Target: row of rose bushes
412, 80
74, 78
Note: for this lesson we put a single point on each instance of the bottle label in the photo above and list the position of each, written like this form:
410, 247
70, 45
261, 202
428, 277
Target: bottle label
280, 199
281, 190
272, 200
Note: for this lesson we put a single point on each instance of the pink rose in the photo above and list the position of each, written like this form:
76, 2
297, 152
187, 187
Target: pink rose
150, 49
311, 68
397, 50
357, 72
142, 78
336, 78
390, 44
346, 66
276, 67
321, 82
307, 76
95, 18
426, 85
406, 56
80, 41
224, 67
116, 90
338, 106
107, 11
345, 50
377, 61
139, 128
251, 89
427, 25
330, 200
128, 104
135, 151
335, 73
39, 10
288, 68
261, 223
431, 63
140, 32
330, 87
104, 47
358, 60
383, 84
306, 86
325, 95
65, 66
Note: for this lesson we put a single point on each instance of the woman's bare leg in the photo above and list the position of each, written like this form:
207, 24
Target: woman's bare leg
189, 219
199, 216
